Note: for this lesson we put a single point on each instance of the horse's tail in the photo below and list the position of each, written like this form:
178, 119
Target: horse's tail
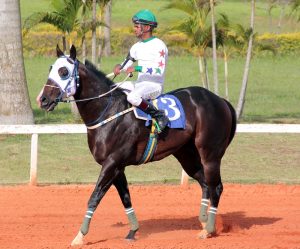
234, 121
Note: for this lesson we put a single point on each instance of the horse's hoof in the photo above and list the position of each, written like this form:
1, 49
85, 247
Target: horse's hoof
130, 236
203, 224
204, 234
78, 241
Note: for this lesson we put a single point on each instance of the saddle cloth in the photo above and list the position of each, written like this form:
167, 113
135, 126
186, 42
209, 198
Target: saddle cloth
172, 107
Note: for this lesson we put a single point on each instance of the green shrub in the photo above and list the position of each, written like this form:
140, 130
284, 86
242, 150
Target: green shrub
285, 43
43, 39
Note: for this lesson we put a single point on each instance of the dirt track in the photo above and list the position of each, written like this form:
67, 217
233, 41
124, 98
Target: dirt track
250, 216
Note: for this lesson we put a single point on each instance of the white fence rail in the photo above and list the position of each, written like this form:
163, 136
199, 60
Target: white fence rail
35, 130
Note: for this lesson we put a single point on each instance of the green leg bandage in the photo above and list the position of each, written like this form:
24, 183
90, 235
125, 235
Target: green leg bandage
86, 222
203, 210
134, 225
211, 221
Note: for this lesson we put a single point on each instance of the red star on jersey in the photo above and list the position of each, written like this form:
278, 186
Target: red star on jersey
162, 53
161, 64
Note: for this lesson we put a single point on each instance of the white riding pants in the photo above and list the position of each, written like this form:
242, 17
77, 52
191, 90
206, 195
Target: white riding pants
136, 91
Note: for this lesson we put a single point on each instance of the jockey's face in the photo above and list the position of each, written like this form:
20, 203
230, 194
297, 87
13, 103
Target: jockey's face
141, 30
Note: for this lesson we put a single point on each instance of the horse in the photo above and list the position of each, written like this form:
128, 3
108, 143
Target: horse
199, 148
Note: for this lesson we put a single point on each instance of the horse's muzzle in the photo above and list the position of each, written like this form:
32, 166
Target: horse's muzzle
47, 104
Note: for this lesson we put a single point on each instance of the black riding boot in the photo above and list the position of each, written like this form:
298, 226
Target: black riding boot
159, 115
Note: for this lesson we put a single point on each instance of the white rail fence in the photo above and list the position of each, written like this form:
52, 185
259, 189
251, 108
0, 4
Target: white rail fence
35, 130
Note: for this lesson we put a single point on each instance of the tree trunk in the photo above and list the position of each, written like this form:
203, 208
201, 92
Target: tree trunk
226, 74
15, 104
94, 38
64, 43
83, 47
206, 72
240, 106
214, 43
282, 10
202, 73
107, 20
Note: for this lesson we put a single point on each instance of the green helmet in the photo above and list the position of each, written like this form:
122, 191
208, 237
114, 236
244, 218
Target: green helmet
145, 17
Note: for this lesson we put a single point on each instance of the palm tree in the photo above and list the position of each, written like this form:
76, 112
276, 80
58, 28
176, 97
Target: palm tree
214, 45
15, 105
64, 17
106, 31
271, 5
241, 102
295, 8
196, 28
96, 21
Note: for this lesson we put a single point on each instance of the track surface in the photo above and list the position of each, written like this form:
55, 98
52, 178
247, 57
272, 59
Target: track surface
249, 216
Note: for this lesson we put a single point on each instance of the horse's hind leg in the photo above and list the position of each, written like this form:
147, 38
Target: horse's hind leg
215, 187
120, 182
190, 161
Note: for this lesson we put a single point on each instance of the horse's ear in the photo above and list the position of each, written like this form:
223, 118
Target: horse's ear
73, 52
59, 53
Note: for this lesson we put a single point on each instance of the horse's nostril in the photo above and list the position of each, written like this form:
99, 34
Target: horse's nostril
44, 100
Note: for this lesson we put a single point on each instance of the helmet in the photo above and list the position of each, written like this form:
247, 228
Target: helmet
145, 17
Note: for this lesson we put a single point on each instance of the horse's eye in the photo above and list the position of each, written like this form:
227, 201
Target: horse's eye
64, 73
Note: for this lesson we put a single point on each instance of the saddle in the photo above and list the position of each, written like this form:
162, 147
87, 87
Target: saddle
175, 112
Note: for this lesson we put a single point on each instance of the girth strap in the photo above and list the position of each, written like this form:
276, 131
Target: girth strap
151, 145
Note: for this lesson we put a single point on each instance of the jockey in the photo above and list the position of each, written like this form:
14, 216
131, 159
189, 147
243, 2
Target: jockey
151, 54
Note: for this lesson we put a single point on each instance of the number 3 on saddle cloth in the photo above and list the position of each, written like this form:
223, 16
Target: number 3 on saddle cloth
173, 109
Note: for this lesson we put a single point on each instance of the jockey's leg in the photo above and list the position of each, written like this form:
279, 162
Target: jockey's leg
148, 90
159, 115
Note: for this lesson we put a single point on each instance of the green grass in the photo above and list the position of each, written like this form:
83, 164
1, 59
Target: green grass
64, 159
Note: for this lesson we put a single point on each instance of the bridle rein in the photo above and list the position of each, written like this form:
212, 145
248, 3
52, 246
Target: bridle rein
75, 75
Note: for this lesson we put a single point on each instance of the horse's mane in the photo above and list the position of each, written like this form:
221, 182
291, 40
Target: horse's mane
89, 65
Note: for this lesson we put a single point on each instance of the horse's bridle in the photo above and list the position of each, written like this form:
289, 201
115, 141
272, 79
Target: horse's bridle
74, 75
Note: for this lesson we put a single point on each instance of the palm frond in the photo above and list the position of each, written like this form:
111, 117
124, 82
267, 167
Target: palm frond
186, 6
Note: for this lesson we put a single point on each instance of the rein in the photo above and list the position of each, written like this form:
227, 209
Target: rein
99, 96
97, 123
75, 75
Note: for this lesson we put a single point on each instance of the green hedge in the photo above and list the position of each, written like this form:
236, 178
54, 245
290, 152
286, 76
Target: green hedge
284, 43
43, 40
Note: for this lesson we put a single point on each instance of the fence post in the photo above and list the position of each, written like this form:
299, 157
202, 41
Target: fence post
184, 178
33, 159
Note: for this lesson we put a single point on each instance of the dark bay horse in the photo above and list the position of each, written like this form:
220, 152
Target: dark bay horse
210, 127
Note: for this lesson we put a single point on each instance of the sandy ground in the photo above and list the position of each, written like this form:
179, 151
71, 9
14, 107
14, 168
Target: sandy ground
249, 216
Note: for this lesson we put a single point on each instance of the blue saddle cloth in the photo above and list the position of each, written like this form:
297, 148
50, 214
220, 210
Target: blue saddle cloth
172, 107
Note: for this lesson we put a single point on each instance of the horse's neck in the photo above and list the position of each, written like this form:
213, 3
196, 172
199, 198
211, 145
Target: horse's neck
98, 108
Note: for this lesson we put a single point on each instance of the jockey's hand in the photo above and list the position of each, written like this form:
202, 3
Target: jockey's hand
117, 69
130, 70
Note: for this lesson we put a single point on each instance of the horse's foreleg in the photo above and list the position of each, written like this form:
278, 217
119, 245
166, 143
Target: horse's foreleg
120, 182
104, 182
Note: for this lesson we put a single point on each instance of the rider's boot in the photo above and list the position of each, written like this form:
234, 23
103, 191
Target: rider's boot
159, 115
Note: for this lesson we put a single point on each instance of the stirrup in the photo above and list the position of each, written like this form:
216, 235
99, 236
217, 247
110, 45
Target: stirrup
157, 127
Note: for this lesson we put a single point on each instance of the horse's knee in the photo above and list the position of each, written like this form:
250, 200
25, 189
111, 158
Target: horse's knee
126, 201
219, 189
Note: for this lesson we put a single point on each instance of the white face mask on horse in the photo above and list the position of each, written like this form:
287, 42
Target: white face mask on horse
64, 74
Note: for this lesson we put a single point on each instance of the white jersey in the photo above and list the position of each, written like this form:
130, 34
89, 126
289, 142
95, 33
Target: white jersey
152, 56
